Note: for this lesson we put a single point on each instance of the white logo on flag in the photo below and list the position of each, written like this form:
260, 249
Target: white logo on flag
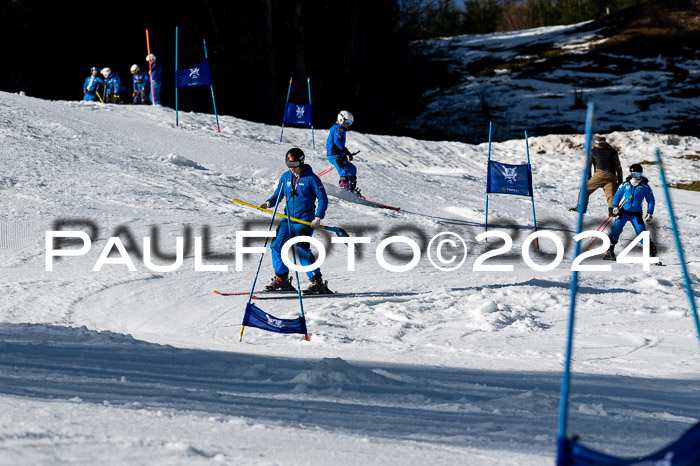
274, 322
509, 174
300, 111
194, 73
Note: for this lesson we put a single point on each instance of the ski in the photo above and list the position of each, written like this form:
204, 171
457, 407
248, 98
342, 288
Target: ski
313, 295
240, 293
381, 206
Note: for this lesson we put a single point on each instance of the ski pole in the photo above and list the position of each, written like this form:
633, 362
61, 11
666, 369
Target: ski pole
328, 170
257, 272
99, 96
604, 225
337, 230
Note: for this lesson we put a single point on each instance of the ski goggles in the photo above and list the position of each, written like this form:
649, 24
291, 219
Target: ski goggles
636, 174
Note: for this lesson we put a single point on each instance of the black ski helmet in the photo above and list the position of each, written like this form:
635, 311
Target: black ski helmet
636, 168
294, 157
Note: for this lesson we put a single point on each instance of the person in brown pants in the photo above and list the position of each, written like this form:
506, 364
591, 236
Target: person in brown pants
608, 172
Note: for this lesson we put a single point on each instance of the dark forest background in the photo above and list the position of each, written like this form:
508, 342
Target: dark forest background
356, 52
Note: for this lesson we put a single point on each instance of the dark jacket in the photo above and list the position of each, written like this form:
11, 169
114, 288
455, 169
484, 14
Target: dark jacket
604, 157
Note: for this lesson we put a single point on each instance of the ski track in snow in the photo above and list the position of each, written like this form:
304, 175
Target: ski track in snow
114, 366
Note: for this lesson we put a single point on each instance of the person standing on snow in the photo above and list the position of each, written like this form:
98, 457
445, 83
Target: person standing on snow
339, 155
92, 85
155, 71
140, 87
113, 84
627, 207
608, 172
301, 188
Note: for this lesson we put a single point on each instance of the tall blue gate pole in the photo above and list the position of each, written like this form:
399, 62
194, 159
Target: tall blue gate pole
308, 84
679, 247
486, 220
176, 122
285, 107
566, 376
211, 85
529, 168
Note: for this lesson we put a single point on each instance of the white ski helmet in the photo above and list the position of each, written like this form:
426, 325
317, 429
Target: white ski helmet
151, 57
135, 68
345, 118
106, 72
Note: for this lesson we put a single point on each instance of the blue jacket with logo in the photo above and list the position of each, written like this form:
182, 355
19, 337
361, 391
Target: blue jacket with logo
335, 144
638, 193
301, 193
91, 83
114, 84
140, 80
156, 72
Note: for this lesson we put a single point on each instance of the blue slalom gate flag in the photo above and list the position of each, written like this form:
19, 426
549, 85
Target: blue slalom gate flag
684, 451
299, 115
503, 178
198, 75
256, 317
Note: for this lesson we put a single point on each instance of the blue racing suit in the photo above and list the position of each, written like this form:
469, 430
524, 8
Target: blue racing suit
91, 86
156, 72
301, 194
630, 198
114, 84
337, 153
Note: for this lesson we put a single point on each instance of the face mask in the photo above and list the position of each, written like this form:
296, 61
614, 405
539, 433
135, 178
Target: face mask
635, 181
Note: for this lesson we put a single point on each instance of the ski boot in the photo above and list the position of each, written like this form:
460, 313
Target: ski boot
652, 249
353, 186
344, 183
573, 209
609, 255
318, 286
280, 283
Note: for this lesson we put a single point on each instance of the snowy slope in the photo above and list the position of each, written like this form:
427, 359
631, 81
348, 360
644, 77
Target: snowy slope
540, 79
144, 367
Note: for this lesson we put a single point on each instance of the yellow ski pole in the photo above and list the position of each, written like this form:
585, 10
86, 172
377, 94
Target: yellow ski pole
338, 231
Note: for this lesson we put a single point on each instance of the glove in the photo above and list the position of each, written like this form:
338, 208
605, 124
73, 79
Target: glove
84, 91
316, 223
616, 211
350, 156
649, 217
265, 205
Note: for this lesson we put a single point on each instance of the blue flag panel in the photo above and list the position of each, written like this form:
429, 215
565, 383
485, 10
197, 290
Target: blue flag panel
299, 115
198, 75
684, 451
502, 178
256, 317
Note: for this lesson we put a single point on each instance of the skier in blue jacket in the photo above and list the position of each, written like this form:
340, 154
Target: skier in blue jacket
301, 188
155, 71
114, 88
140, 86
627, 207
339, 155
92, 85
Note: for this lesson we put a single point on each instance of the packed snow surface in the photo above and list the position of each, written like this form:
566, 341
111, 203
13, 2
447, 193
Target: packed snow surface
418, 367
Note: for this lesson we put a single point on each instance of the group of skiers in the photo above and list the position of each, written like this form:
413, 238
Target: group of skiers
113, 90
302, 188
306, 200
625, 199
